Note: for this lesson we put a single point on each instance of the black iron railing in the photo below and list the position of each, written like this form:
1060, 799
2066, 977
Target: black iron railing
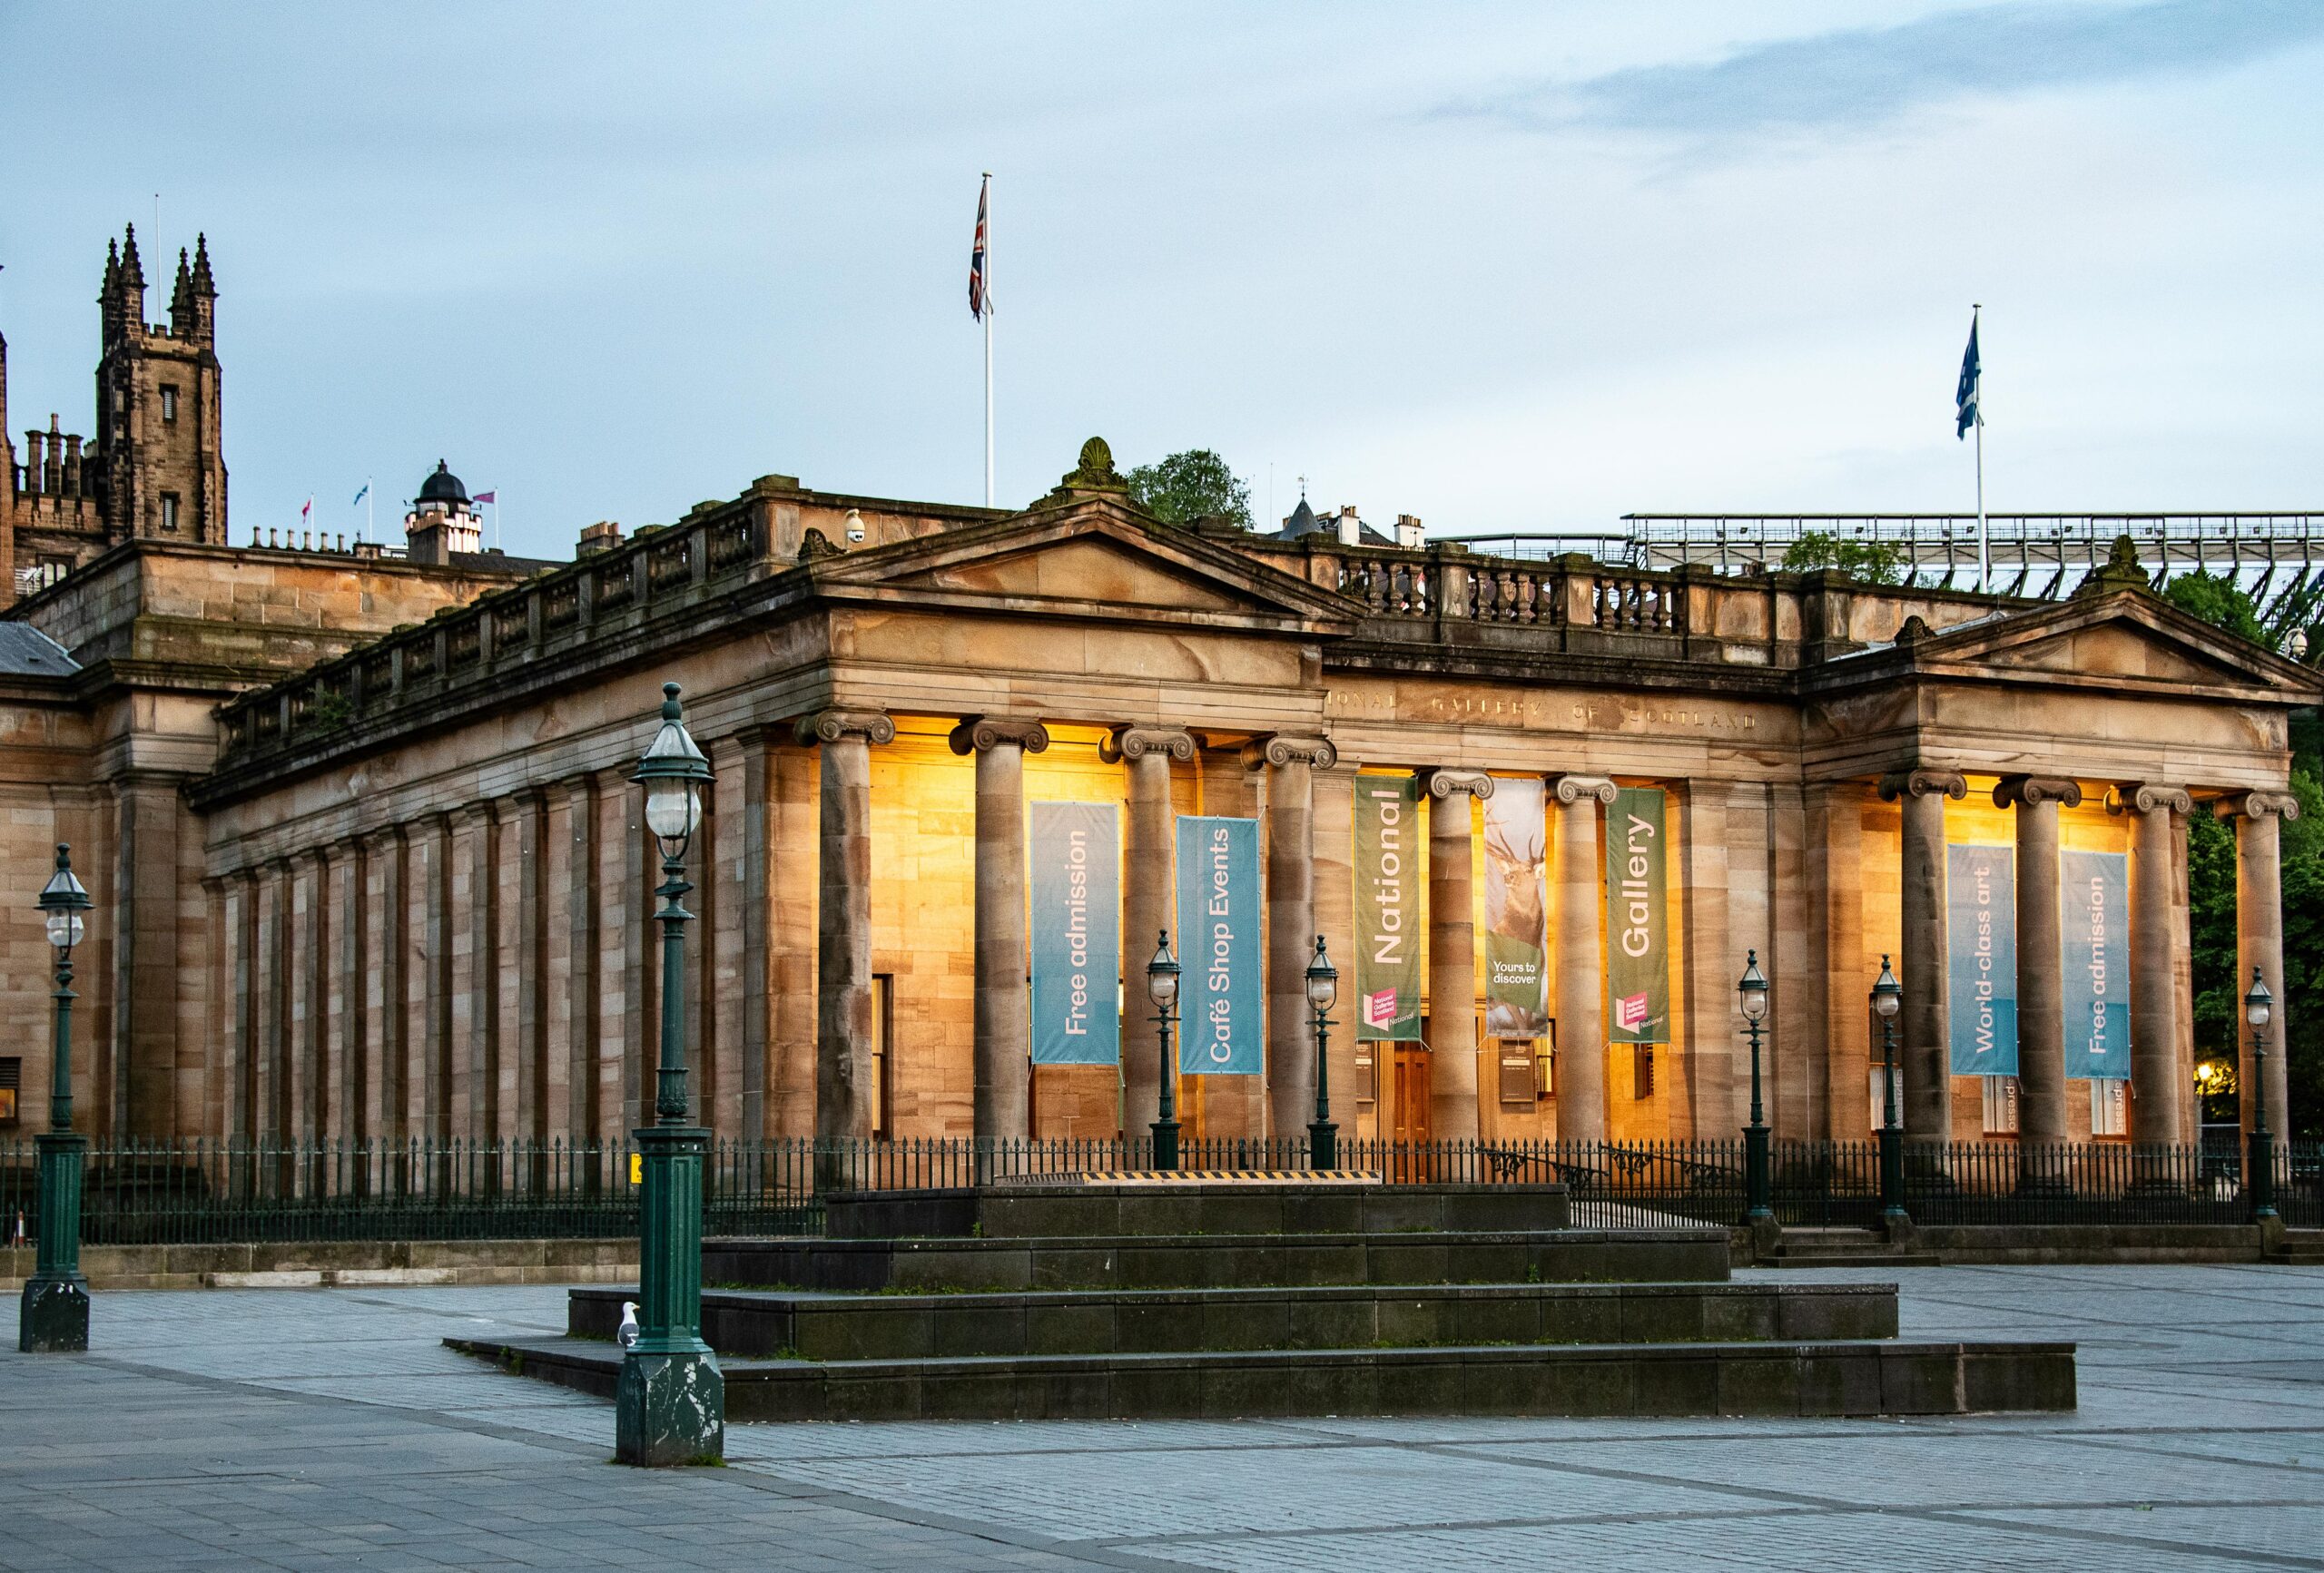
203, 1192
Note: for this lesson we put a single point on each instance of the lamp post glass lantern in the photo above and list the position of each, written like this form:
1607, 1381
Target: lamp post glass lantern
670, 1407
1887, 996
2260, 1164
53, 1315
1322, 988
1751, 991
1162, 987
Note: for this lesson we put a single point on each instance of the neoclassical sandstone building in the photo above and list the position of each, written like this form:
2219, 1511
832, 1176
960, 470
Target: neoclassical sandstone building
368, 863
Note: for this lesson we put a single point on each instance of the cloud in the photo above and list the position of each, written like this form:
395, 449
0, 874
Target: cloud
1855, 79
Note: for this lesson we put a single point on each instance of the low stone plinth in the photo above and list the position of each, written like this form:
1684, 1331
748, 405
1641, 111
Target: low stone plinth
1190, 1207
1831, 1379
826, 1327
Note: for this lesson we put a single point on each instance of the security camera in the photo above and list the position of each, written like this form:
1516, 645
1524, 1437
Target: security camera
855, 526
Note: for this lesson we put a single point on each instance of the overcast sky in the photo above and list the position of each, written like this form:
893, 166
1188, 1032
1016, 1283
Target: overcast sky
1506, 268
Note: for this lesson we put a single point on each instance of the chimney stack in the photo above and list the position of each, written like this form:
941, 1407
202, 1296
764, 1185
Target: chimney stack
602, 536
1409, 534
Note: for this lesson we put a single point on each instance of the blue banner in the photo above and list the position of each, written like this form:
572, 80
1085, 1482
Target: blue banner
1222, 997
1075, 850
2094, 893
1981, 936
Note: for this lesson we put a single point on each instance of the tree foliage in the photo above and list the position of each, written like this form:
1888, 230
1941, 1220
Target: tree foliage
1872, 562
1190, 485
2217, 601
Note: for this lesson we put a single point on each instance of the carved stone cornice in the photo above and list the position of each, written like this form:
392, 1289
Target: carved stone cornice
2034, 791
983, 733
1921, 783
1442, 783
1572, 789
1283, 748
1128, 741
2144, 797
2256, 805
830, 725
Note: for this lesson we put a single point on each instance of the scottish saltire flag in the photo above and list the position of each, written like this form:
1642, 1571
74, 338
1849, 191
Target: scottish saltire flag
1966, 397
362, 495
978, 303
491, 497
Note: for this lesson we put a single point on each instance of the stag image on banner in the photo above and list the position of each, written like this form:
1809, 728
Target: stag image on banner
1075, 850
1517, 915
1222, 997
1387, 908
1981, 936
2094, 899
1637, 918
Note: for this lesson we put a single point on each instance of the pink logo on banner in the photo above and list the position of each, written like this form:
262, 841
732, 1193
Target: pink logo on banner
1380, 1009
1630, 1012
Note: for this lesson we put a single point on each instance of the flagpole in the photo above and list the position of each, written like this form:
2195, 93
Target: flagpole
987, 341
1984, 547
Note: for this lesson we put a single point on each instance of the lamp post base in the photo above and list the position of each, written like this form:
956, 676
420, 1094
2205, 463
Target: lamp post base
55, 1315
1165, 1144
1323, 1145
670, 1408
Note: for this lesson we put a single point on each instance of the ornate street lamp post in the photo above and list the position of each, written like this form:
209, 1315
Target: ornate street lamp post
670, 1407
1752, 987
1887, 995
2259, 1005
1323, 987
1162, 987
54, 1312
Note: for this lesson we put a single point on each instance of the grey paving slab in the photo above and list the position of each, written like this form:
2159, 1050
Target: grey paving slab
298, 1428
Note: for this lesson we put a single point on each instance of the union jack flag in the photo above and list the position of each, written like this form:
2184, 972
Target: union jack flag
979, 301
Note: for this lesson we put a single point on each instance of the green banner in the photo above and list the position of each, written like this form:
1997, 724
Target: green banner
1517, 937
1387, 908
1637, 920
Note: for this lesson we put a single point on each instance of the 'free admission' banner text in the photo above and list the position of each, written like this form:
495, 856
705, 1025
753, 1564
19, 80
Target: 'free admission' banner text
1222, 1002
2094, 891
1076, 852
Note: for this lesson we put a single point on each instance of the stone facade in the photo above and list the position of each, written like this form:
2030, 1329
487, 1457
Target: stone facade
368, 863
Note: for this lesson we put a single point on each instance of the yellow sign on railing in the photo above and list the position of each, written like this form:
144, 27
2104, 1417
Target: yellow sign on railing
637, 1168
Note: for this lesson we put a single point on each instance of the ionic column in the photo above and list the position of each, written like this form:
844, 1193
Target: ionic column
1003, 1035
843, 1091
1290, 764
1150, 894
2259, 941
1452, 956
2156, 1085
2040, 959
1925, 1062
1581, 963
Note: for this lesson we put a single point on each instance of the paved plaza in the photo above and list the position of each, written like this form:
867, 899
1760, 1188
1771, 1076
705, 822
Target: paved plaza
318, 1428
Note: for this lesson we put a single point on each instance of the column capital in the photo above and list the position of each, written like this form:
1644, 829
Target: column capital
2034, 791
1130, 741
2256, 805
2145, 797
1920, 783
830, 725
1443, 782
1282, 748
1572, 789
982, 734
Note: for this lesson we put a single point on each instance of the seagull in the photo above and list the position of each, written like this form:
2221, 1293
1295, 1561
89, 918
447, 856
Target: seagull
627, 1334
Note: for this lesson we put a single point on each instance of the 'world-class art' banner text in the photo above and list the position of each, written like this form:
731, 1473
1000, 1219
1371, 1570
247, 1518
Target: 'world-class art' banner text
1222, 1000
1517, 943
1637, 918
1981, 942
1075, 850
2094, 893
1387, 909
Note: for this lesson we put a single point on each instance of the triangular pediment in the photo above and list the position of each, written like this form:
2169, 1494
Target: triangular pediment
1099, 558
2123, 641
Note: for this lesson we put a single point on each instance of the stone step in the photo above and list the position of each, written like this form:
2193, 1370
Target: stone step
1825, 1379
1131, 1322
986, 1265
1192, 1205
1846, 1248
